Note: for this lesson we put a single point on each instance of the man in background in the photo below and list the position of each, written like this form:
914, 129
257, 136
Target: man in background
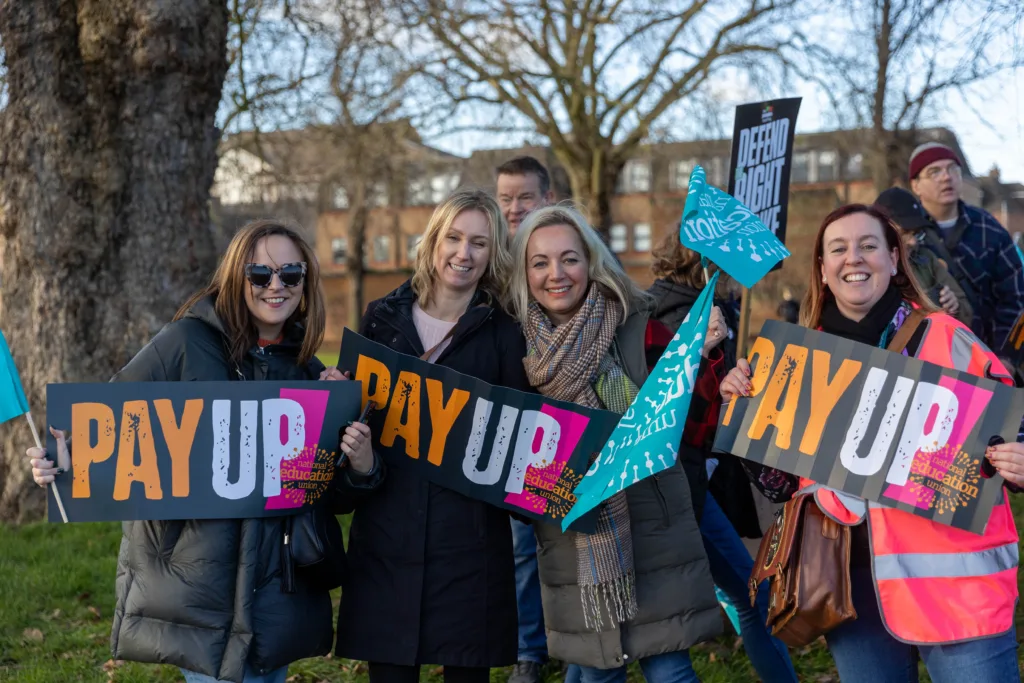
523, 185
977, 250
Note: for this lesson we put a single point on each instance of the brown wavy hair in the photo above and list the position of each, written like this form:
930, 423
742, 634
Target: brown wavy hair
679, 264
227, 288
818, 292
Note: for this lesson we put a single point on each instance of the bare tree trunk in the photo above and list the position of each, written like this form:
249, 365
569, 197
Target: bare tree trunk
356, 267
107, 152
592, 181
880, 140
357, 248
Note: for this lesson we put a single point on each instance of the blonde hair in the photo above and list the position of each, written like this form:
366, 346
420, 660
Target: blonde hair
227, 287
904, 280
498, 264
603, 268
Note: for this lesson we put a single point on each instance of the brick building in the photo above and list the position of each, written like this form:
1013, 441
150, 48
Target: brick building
827, 171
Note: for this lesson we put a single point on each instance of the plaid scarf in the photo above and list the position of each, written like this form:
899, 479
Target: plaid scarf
573, 362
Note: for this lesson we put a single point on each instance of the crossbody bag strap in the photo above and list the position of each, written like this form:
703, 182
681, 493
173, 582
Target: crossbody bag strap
430, 352
906, 332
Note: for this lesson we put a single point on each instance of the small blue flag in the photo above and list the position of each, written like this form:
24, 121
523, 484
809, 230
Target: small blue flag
646, 440
12, 397
718, 226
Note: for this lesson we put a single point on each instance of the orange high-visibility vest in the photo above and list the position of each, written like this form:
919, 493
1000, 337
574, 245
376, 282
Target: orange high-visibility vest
936, 584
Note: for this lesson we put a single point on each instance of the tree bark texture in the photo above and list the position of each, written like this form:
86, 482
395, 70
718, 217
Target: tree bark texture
593, 176
107, 153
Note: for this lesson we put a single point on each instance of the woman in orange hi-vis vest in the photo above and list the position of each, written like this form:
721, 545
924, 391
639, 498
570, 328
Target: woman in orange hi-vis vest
917, 584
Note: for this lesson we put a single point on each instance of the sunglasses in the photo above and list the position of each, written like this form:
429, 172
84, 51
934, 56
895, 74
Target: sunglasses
261, 276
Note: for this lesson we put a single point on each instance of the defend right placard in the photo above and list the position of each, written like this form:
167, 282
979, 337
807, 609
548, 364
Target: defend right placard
879, 425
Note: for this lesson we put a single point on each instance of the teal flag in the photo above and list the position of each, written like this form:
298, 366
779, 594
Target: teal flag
12, 397
646, 439
718, 226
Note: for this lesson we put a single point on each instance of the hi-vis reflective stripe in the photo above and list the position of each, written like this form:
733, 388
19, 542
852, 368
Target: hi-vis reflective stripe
946, 565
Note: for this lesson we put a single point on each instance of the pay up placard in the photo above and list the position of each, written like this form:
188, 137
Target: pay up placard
197, 450
879, 425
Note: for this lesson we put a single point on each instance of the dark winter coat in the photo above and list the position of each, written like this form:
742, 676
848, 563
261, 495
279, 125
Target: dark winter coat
431, 571
729, 484
676, 600
205, 595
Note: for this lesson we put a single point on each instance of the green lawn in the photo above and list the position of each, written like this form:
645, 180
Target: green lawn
57, 596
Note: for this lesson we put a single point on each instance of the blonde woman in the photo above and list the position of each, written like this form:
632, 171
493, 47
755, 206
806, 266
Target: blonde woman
432, 577
648, 595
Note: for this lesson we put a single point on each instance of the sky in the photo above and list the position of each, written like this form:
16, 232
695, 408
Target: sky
990, 126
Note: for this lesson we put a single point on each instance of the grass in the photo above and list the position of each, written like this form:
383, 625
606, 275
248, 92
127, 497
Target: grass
57, 598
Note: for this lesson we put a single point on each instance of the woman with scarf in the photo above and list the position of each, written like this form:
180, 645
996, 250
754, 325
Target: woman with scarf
917, 584
639, 588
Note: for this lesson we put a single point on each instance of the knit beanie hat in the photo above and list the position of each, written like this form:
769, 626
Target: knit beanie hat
929, 153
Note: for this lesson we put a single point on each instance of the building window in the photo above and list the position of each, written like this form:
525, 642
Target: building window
855, 167
382, 248
679, 174
340, 198
377, 194
828, 166
618, 238
801, 168
635, 176
419, 192
339, 249
442, 185
642, 237
412, 243
716, 172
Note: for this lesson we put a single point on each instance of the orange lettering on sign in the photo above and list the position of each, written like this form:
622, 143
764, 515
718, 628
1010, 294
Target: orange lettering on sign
825, 396
405, 402
788, 375
763, 351
136, 428
86, 453
366, 369
442, 416
179, 439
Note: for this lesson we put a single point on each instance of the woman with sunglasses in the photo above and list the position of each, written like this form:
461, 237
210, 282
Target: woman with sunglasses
206, 595
431, 571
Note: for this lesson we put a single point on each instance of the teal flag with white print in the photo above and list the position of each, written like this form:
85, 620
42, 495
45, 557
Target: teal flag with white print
718, 226
646, 439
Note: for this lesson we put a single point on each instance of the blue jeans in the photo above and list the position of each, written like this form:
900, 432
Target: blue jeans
671, 667
731, 566
276, 676
991, 660
533, 642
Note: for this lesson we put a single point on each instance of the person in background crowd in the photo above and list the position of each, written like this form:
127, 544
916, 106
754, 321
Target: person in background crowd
931, 272
917, 584
178, 582
680, 279
788, 310
523, 185
978, 251
590, 341
432, 577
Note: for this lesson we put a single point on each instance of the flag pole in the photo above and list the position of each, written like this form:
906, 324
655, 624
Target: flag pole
53, 484
744, 332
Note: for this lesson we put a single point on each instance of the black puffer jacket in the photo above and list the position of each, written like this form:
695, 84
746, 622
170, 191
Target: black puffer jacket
205, 595
432, 579
729, 484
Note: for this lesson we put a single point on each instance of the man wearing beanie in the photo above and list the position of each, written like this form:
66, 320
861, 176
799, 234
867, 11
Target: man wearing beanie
978, 251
